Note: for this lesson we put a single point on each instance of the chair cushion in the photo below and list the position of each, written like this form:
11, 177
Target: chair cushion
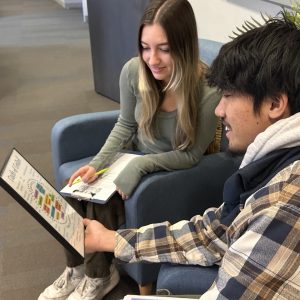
185, 280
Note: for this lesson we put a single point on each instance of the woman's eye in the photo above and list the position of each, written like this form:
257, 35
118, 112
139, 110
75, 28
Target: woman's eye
167, 50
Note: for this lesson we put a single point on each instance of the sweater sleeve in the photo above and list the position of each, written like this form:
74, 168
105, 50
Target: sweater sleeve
200, 241
126, 126
176, 159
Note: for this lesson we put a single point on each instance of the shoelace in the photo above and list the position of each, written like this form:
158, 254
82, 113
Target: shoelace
86, 284
62, 280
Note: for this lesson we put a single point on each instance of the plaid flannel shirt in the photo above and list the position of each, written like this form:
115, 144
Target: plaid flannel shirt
258, 254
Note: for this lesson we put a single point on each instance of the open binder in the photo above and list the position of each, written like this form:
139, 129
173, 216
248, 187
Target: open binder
28, 187
102, 189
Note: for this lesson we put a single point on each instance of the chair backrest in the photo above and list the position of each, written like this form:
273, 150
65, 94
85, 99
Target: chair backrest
220, 142
209, 49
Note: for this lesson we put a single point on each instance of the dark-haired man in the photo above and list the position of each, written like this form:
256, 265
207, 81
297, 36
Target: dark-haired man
255, 235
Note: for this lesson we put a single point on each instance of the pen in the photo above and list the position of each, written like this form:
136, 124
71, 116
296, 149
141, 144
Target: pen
78, 179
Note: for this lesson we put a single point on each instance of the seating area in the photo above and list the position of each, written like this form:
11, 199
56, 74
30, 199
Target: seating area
60, 90
161, 196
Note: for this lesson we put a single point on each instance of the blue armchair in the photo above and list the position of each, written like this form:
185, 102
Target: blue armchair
160, 196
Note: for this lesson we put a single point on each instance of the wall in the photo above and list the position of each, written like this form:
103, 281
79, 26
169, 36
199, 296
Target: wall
69, 3
216, 19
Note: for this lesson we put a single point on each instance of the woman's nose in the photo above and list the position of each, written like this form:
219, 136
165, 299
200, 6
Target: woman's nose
154, 58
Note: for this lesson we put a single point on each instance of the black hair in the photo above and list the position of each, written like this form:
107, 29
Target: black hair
262, 62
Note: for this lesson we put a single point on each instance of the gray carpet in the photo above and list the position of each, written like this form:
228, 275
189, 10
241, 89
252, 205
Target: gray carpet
46, 74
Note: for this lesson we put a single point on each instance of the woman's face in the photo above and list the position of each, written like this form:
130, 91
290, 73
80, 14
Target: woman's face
156, 52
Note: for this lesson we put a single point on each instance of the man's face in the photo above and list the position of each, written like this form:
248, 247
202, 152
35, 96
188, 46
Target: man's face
242, 125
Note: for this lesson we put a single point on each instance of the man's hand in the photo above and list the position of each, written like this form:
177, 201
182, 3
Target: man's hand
97, 237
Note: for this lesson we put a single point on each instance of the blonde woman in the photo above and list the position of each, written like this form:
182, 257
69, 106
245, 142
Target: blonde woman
167, 113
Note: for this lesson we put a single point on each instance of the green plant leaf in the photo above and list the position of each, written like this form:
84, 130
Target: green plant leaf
292, 14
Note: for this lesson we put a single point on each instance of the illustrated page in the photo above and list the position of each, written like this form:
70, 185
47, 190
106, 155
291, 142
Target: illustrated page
45, 200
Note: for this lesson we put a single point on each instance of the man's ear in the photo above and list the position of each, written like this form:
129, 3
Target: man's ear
279, 107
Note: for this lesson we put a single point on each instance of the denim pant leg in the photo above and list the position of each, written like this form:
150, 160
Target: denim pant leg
112, 216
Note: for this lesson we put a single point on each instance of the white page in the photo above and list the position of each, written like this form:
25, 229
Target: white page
102, 188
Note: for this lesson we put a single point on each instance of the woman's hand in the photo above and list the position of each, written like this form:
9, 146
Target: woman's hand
97, 237
87, 174
123, 195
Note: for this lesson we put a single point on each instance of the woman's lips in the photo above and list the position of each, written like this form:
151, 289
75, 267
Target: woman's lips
156, 70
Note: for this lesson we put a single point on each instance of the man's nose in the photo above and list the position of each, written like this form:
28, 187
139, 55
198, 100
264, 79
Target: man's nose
219, 110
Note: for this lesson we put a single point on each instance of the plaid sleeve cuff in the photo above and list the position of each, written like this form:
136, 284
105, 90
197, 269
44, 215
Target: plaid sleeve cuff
125, 243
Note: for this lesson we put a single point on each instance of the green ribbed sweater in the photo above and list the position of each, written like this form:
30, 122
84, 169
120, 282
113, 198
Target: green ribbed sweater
159, 153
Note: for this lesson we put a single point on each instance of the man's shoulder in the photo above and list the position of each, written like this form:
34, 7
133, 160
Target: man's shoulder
290, 190
288, 174
279, 197
283, 188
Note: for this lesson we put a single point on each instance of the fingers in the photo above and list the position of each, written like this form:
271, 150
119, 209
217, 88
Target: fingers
87, 174
92, 178
74, 176
86, 222
123, 195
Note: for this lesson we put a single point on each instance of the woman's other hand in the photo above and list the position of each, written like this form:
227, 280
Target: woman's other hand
123, 195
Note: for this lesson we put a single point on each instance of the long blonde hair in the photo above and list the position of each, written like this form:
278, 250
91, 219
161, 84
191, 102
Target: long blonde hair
177, 18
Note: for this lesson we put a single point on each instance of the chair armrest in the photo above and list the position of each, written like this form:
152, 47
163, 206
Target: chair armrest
80, 136
178, 195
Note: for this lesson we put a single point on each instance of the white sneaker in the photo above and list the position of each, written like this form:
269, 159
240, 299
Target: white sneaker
64, 285
95, 288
